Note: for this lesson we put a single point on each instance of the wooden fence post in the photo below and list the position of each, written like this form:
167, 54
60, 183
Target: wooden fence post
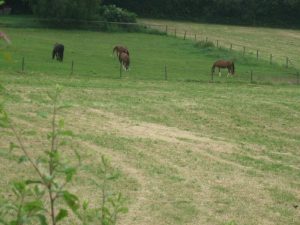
287, 62
175, 32
257, 54
166, 73
251, 76
230, 47
166, 29
184, 35
217, 43
206, 39
23, 64
195, 37
72, 67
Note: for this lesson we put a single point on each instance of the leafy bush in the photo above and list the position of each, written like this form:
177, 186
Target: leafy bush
111, 13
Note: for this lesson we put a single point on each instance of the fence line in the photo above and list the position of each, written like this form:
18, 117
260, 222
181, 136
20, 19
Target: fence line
196, 36
174, 31
174, 72
234, 46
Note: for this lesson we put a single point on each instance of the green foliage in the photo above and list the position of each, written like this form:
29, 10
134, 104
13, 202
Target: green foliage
111, 13
67, 9
26, 208
112, 204
53, 175
274, 12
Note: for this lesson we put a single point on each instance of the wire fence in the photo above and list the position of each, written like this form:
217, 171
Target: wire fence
288, 72
226, 44
142, 70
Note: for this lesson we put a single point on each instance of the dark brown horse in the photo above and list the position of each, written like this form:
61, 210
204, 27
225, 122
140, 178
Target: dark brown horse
124, 60
119, 49
223, 64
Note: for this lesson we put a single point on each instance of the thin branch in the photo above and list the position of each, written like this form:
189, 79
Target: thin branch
26, 153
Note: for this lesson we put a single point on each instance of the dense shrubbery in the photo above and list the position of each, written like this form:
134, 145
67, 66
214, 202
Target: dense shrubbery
275, 12
67, 9
112, 13
73, 9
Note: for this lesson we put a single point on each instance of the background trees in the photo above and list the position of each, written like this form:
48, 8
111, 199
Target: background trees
251, 12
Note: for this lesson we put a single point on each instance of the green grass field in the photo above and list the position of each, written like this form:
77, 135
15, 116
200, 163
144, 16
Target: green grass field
278, 42
189, 151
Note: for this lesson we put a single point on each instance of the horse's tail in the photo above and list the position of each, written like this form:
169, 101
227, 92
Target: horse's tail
233, 69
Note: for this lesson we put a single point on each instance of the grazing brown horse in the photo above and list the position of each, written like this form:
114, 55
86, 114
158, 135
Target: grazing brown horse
223, 64
4, 37
119, 49
124, 60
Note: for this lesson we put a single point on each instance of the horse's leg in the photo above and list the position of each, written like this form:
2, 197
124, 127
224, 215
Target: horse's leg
219, 71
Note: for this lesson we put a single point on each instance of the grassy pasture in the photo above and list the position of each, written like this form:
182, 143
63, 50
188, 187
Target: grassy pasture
189, 151
281, 43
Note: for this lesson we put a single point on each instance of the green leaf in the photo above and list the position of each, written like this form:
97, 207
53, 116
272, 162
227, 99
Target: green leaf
19, 188
22, 159
71, 200
68, 133
33, 182
123, 210
69, 172
64, 106
63, 213
33, 206
52, 96
42, 219
12, 146
42, 114
4, 120
61, 123
113, 176
85, 205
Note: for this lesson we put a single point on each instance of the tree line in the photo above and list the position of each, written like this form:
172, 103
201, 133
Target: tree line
250, 12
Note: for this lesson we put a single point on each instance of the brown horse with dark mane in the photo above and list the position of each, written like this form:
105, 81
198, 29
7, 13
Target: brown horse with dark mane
119, 49
223, 64
124, 60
